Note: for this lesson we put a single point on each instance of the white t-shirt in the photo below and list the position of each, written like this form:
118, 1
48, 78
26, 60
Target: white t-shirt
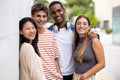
64, 39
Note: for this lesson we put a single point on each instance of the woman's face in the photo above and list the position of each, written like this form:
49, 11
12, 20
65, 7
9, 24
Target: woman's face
82, 26
28, 31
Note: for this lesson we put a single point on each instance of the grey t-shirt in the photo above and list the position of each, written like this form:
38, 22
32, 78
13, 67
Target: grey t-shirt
89, 59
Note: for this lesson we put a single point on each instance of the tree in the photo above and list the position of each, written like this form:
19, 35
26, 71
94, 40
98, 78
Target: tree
78, 7
41, 1
93, 20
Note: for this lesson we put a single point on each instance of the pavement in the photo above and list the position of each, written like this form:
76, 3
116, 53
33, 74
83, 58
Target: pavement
111, 51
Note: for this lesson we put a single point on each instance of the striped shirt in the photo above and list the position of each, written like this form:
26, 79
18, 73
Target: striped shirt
48, 50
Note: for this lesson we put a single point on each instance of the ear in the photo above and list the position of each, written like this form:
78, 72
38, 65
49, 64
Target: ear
21, 32
64, 10
32, 16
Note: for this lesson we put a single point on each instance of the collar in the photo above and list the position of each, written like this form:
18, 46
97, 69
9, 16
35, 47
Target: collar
56, 28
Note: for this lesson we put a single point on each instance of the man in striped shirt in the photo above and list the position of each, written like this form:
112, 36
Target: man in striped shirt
47, 43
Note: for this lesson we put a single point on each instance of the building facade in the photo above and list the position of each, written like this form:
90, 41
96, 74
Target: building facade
116, 21
108, 13
10, 14
103, 11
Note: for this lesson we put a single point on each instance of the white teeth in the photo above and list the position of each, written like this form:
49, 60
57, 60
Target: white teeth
58, 18
81, 29
40, 22
32, 35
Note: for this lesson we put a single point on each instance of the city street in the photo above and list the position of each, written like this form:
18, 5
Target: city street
112, 57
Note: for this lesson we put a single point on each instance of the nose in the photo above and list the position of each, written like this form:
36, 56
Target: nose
32, 30
81, 25
41, 18
57, 13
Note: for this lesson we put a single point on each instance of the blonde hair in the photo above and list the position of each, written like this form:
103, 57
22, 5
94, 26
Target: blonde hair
82, 49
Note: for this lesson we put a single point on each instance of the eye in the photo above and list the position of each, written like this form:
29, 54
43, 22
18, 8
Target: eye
85, 23
53, 12
28, 28
59, 10
45, 16
78, 23
33, 27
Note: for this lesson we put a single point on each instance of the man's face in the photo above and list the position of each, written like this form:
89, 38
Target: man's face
57, 13
40, 18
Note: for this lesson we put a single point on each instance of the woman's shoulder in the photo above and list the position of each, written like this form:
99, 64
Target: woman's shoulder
27, 51
26, 47
95, 39
96, 42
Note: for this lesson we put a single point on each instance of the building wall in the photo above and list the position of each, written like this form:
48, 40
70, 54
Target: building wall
10, 14
108, 11
103, 11
116, 24
115, 3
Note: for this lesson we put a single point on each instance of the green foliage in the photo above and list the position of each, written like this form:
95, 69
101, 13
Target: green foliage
41, 1
93, 19
108, 30
76, 7
80, 7
71, 3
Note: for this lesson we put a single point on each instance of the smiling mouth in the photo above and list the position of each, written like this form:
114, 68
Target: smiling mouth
32, 35
41, 23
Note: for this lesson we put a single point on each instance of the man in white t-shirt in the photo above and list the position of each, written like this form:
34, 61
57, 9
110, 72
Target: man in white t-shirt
63, 31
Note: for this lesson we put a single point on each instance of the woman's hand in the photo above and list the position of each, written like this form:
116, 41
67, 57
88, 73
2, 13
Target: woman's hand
83, 77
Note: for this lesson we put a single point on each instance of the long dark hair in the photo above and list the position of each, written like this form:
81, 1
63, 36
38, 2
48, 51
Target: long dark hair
22, 39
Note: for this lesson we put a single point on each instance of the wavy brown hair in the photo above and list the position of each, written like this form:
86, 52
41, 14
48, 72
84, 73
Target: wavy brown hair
85, 41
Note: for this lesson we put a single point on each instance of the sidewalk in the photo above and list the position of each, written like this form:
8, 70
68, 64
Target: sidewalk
111, 51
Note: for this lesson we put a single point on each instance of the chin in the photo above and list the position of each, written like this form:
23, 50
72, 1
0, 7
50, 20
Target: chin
82, 33
59, 21
40, 26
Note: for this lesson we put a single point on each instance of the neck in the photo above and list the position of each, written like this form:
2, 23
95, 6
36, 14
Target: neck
62, 24
81, 36
41, 30
30, 41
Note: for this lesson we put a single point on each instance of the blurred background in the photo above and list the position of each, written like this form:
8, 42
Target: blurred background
105, 20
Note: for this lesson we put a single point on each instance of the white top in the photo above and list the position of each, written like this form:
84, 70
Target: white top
64, 39
31, 67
